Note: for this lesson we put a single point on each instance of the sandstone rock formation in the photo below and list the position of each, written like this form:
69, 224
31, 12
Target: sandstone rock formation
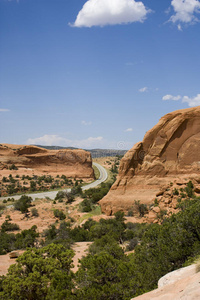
168, 152
72, 163
182, 284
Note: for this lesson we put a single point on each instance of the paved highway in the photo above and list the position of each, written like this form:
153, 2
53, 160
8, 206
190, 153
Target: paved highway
103, 176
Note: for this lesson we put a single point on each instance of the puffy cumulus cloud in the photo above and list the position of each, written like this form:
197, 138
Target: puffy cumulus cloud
185, 11
195, 101
144, 89
46, 140
55, 140
170, 97
192, 101
129, 130
110, 12
4, 109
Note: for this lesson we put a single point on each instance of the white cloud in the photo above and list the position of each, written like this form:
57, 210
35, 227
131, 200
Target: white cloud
170, 97
55, 140
86, 123
144, 89
129, 130
110, 12
4, 109
179, 27
195, 101
192, 101
185, 11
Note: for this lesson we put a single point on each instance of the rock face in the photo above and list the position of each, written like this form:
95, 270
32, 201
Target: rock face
182, 284
72, 163
168, 152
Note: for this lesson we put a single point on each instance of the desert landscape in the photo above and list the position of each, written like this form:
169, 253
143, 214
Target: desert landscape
145, 188
99, 150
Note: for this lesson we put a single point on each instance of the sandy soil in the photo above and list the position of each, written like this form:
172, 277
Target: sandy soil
6, 262
80, 249
46, 216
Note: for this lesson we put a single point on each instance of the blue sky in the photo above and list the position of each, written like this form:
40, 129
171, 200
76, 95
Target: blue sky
97, 73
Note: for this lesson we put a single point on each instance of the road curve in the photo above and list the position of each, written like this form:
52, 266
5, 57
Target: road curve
103, 176
52, 194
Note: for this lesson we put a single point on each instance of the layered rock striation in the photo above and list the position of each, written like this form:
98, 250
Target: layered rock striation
72, 163
169, 152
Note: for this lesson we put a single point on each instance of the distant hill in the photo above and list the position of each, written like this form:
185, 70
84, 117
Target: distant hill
94, 152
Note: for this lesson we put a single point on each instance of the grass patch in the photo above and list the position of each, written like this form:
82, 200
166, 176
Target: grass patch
96, 172
95, 212
111, 177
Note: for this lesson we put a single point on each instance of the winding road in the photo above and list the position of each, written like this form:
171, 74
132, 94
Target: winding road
52, 194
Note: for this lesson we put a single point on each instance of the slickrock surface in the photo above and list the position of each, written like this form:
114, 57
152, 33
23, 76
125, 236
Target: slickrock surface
168, 152
72, 163
182, 284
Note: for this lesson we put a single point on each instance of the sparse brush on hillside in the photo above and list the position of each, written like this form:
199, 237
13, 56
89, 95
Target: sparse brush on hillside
10, 242
8, 226
92, 196
106, 272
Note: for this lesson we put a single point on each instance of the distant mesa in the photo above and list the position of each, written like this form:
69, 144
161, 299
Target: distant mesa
169, 153
94, 152
73, 163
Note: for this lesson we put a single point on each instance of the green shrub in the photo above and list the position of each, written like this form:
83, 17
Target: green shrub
156, 202
60, 195
4, 179
13, 167
141, 207
34, 212
85, 206
27, 238
33, 185
70, 197
7, 242
175, 192
130, 213
189, 189
7, 226
23, 203
132, 244
59, 214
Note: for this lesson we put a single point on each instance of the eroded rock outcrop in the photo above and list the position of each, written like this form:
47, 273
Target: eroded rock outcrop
169, 151
182, 284
72, 163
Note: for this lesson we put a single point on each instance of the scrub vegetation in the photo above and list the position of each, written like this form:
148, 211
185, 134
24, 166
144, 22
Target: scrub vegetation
108, 271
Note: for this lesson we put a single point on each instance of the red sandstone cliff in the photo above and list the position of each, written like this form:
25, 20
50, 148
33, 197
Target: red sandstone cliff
169, 151
72, 163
